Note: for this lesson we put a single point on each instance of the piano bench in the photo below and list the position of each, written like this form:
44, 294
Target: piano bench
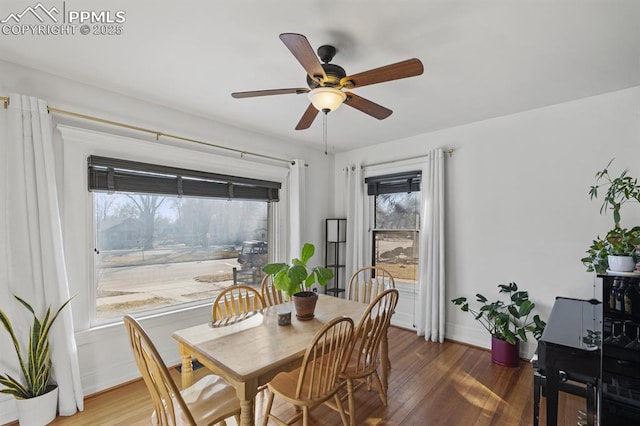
580, 386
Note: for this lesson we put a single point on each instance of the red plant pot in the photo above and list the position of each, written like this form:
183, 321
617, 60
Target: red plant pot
504, 353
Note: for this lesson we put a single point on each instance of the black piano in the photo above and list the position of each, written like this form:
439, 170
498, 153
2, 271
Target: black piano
592, 349
568, 356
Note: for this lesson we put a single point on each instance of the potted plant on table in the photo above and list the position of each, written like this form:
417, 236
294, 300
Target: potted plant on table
295, 280
616, 252
508, 323
36, 396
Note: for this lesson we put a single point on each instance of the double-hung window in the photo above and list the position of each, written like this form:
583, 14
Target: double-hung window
396, 225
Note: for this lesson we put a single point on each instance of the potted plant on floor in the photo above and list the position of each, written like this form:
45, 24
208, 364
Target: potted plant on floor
295, 280
508, 323
36, 396
616, 252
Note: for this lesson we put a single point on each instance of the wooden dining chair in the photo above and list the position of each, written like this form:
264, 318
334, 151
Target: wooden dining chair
317, 380
364, 356
270, 294
236, 300
209, 401
368, 282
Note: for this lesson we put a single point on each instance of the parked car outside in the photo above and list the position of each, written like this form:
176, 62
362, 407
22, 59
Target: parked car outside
253, 256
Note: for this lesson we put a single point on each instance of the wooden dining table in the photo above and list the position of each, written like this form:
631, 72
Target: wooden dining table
249, 350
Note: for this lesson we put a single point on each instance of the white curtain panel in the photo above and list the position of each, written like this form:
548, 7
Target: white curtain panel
356, 248
8, 363
34, 250
431, 298
297, 185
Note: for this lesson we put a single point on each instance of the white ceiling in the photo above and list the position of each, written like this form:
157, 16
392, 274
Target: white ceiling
482, 59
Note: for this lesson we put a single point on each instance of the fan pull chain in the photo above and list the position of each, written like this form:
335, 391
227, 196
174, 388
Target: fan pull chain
324, 128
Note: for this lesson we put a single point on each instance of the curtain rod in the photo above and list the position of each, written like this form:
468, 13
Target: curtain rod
446, 151
158, 134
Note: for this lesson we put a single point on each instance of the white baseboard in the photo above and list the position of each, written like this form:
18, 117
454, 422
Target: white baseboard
478, 336
403, 321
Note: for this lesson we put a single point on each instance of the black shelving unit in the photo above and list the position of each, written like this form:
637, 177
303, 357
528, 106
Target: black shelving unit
620, 374
334, 255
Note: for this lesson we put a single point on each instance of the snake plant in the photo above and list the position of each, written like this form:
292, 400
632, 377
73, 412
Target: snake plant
36, 368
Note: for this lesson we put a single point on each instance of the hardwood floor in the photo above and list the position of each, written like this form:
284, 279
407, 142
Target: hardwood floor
429, 384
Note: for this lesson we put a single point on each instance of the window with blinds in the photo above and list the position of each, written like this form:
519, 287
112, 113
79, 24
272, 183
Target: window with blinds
167, 237
396, 226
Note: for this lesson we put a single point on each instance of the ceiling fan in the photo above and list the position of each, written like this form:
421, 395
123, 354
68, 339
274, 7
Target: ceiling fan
326, 81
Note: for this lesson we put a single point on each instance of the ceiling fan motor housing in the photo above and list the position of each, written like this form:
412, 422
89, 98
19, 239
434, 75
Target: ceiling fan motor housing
334, 74
326, 53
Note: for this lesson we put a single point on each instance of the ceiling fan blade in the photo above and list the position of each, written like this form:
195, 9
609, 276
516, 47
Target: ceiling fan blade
307, 118
366, 106
403, 69
302, 50
255, 93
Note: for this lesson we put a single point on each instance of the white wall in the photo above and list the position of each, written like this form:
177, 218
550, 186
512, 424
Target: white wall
517, 201
104, 353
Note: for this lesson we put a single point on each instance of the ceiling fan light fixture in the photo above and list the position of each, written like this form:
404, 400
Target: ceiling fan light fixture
327, 98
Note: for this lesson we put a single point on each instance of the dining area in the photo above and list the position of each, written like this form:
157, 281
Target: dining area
251, 349
446, 383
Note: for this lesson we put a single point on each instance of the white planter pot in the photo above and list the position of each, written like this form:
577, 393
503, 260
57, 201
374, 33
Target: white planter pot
38, 411
621, 263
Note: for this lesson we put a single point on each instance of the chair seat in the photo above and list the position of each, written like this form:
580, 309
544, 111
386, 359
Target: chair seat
284, 384
356, 370
210, 401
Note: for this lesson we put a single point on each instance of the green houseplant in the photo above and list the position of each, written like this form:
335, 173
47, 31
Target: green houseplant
35, 364
620, 190
507, 322
596, 259
296, 279
618, 249
619, 242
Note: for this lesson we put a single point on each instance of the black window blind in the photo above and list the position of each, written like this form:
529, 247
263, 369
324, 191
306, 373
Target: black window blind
117, 175
393, 183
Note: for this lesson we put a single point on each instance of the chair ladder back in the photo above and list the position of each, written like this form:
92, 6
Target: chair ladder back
270, 294
324, 359
370, 331
164, 392
235, 300
368, 282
